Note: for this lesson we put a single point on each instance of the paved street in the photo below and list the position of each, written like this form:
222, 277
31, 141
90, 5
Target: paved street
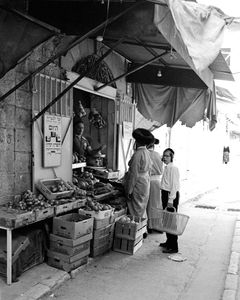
206, 245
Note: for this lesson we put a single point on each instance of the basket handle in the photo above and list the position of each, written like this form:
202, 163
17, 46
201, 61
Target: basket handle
174, 209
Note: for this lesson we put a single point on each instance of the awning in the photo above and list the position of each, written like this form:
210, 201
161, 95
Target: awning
144, 41
19, 34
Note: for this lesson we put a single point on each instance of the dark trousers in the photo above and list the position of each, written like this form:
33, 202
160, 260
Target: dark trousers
172, 240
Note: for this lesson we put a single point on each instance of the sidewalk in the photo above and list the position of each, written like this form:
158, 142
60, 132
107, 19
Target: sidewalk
44, 279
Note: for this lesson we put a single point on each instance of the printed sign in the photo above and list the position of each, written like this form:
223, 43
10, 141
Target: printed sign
52, 144
127, 130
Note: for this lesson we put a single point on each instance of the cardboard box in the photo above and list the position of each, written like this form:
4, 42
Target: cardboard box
130, 230
72, 225
127, 246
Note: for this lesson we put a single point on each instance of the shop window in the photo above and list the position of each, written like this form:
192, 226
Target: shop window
45, 89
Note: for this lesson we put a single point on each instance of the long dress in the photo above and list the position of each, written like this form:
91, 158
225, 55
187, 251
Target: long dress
137, 182
155, 181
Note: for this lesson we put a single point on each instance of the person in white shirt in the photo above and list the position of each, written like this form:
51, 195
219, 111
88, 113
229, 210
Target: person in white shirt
170, 185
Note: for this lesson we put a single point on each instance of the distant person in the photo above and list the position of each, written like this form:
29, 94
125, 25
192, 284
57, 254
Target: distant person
137, 179
226, 152
154, 201
170, 185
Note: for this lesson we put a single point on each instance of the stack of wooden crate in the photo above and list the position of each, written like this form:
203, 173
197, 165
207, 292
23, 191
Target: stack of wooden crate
103, 230
70, 241
128, 237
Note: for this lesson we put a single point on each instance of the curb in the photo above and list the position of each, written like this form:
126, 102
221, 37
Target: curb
232, 277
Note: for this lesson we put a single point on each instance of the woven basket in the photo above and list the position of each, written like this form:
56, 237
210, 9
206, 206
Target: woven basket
170, 222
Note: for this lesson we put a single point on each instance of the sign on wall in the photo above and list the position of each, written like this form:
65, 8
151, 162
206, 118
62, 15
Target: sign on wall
127, 130
52, 143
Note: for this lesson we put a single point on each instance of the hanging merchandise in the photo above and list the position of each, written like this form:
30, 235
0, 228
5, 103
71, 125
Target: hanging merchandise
96, 118
79, 109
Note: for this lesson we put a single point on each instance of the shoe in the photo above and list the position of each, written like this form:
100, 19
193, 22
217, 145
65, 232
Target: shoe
164, 245
145, 235
170, 251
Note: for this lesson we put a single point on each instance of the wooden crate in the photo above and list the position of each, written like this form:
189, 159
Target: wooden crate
42, 214
103, 240
66, 258
100, 250
127, 246
130, 230
44, 187
67, 267
13, 218
62, 208
64, 249
98, 233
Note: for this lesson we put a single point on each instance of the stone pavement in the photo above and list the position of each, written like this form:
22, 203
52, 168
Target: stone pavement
43, 279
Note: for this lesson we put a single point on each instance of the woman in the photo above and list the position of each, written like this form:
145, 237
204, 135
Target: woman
170, 185
154, 201
137, 179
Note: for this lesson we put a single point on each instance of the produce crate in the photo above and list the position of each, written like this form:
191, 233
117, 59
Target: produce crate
44, 187
79, 203
100, 250
19, 243
14, 218
71, 251
130, 230
119, 213
72, 225
98, 215
127, 246
98, 233
67, 267
102, 223
66, 258
29, 256
62, 208
103, 240
98, 223
70, 242
45, 213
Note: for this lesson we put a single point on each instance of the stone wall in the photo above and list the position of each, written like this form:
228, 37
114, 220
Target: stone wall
15, 122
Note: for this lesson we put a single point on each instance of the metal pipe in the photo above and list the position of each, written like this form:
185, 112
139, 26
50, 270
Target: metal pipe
79, 40
75, 82
132, 71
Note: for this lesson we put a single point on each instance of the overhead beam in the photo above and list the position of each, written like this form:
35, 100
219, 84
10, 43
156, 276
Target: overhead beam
132, 71
78, 41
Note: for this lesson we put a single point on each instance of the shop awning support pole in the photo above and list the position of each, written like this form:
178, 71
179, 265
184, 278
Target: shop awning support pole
132, 71
71, 85
78, 41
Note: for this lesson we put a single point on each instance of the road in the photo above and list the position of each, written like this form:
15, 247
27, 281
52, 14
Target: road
150, 274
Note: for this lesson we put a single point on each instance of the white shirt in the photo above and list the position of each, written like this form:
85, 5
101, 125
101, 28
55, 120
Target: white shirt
170, 181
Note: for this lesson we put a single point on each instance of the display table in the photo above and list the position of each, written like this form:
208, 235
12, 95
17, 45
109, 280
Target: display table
10, 220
